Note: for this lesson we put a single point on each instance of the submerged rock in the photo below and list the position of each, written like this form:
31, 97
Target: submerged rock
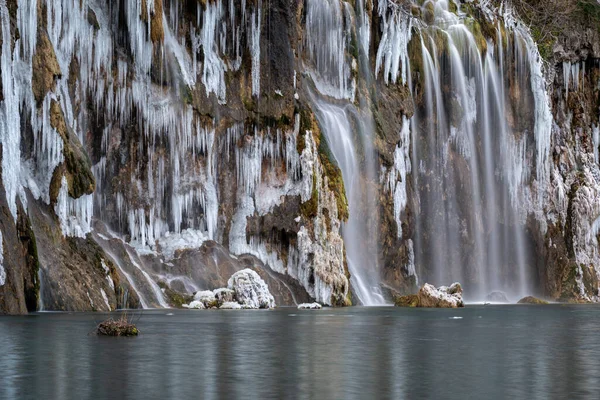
309, 306
251, 290
531, 300
497, 296
432, 297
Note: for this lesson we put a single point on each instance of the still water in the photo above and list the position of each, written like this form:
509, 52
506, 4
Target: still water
480, 352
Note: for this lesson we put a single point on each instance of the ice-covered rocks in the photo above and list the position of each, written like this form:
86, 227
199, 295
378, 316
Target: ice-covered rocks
224, 295
246, 290
196, 305
206, 297
230, 305
309, 306
432, 297
251, 290
497, 296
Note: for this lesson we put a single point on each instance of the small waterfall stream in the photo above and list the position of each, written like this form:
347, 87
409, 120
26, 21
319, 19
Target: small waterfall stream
348, 131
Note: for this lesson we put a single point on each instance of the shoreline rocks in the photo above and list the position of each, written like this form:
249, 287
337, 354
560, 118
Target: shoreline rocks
246, 290
309, 306
431, 297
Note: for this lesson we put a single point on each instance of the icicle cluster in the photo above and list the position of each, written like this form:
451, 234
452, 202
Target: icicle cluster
2, 270
392, 53
396, 177
328, 34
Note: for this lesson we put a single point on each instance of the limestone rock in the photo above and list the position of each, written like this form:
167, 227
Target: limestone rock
45, 67
531, 300
432, 297
224, 295
251, 290
206, 297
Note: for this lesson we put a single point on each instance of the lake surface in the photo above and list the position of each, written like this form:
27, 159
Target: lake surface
525, 352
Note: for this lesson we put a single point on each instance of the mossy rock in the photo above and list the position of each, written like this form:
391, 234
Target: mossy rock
77, 165
411, 300
335, 181
531, 300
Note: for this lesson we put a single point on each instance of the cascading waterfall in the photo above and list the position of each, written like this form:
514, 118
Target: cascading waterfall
348, 136
469, 152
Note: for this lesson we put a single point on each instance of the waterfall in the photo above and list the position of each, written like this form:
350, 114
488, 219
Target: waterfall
469, 161
347, 130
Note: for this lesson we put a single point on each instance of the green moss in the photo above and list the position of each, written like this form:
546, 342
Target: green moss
532, 300
310, 208
411, 300
452, 7
335, 180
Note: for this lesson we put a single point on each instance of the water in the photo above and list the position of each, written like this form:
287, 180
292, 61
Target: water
472, 164
493, 352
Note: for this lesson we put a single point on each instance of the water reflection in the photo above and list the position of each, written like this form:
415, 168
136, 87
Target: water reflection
356, 353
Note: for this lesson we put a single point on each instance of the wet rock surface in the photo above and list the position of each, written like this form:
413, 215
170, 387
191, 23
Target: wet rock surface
431, 297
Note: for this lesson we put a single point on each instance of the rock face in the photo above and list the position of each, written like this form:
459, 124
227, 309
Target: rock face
531, 300
431, 297
250, 290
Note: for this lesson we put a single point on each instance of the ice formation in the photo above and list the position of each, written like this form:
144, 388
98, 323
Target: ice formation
392, 54
2, 270
251, 290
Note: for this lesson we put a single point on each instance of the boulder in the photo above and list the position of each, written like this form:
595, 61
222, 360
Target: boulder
411, 300
497, 296
224, 295
230, 305
309, 306
197, 305
432, 297
531, 300
251, 291
206, 297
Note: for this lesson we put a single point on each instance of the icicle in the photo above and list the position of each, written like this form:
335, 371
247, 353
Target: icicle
75, 215
2, 270
255, 48
213, 75
326, 42
396, 178
10, 120
596, 142
393, 47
